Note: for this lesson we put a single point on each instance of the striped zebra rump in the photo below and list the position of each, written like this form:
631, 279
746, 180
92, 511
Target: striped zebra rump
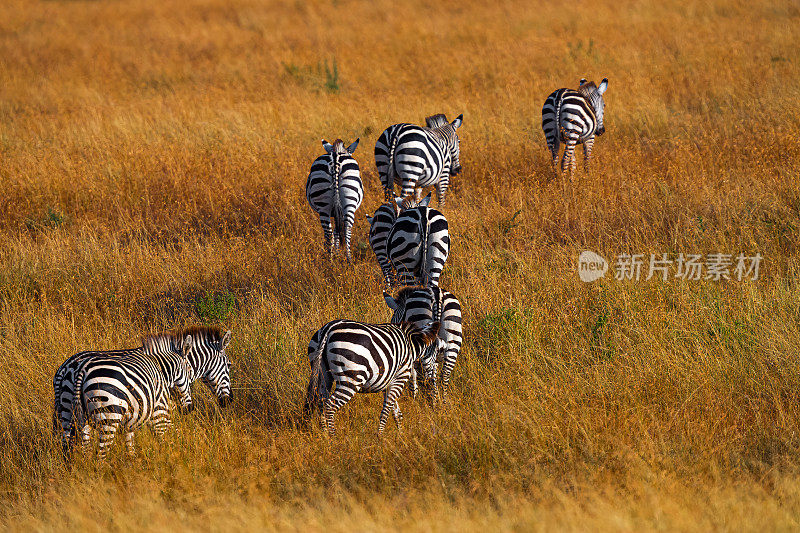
418, 246
380, 224
348, 357
132, 390
415, 156
334, 190
422, 306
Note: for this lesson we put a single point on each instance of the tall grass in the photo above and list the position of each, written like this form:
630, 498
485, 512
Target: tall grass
152, 161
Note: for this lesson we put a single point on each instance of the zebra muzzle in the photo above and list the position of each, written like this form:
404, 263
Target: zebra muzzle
225, 401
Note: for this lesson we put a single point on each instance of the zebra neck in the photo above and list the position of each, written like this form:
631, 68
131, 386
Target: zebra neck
164, 352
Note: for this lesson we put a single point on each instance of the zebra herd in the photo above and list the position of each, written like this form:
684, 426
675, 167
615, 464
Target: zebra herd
109, 390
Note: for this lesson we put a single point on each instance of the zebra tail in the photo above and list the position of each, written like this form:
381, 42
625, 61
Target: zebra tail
337, 207
317, 389
390, 172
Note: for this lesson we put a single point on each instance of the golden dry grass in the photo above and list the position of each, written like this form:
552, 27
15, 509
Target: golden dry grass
174, 138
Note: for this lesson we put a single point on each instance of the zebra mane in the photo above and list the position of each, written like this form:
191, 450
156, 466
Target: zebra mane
406, 291
436, 121
198, 333
587, 89
338, 146
428, 334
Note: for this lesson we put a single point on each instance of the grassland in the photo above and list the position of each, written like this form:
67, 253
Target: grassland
153, 157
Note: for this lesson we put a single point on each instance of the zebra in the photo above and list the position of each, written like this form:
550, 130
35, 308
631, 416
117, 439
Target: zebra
380, 224
415, 157
207, 358
359, 357
334, 190
418, 245
422, 306
133, 390
574, 117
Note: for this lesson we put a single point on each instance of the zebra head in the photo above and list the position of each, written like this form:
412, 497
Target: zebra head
423, 340
336, 153
210, 362
594, 94
409, 202
454, 144
436, 121
417, 306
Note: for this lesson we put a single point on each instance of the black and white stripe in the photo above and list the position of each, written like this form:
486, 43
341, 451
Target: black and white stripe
418, 245
207, 359
422, 307
334, 190
415, 157
359, 357
380, 224
574, 117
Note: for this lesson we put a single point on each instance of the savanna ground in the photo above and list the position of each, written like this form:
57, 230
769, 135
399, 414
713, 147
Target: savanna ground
153, 157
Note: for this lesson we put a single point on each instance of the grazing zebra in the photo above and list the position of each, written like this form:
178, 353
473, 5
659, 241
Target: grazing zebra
380, 224
422, 306
359, 357
334, 190
207, 359
415, 157
574, 117
418, 245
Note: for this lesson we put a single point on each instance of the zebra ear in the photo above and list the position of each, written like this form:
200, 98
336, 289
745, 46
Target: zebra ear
425, 201
457, 122
583, 80
603, 86
391, 302
328, 146
187, 345
226, 340
352, 147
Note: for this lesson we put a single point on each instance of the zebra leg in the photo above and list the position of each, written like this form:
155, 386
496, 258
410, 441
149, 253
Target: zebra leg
447, 370
587, 153
554, 156
413, 381
129, 443
390, 401
441, 191
85, 437
327, 230
568, 162
341, 395
398, 415
160, 422
108, 430
348, 232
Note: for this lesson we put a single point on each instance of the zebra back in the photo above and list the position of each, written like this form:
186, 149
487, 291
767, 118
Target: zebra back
424, 305
348, 357
419, 244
